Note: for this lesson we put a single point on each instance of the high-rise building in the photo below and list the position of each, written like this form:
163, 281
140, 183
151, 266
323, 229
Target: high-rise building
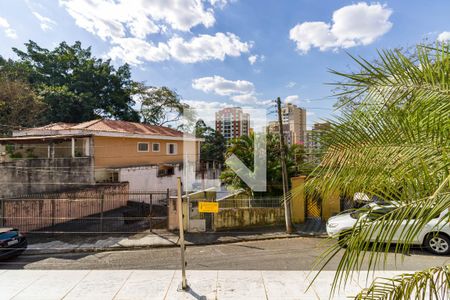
294, 124
232, 122
313, 144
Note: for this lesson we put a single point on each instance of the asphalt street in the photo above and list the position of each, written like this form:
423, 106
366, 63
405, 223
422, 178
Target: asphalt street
279, 254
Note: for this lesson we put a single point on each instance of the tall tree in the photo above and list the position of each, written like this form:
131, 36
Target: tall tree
73, 84
243, 148
395, 144
20, 106
214, 146
159, 106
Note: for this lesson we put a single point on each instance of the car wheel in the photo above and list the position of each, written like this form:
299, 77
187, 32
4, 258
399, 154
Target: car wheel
342, 240
438, 244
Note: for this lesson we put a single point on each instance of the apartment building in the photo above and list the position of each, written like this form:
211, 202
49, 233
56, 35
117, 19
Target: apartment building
313, 143
294, 124
232, 122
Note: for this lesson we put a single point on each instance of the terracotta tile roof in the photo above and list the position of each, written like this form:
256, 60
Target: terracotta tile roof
127, 127
55, 126
111, 126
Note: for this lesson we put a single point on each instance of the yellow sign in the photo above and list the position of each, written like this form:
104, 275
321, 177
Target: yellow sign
208, 207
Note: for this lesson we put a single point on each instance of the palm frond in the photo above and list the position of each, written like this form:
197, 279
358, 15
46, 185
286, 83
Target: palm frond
394, 145
433, 283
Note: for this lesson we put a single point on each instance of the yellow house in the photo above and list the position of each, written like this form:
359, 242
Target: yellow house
109, 145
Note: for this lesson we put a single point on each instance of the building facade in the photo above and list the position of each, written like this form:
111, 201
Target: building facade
294, 124
62, 155
313, 144
232, 122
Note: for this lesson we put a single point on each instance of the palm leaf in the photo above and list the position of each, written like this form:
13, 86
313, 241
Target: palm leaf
395, 145
433, 283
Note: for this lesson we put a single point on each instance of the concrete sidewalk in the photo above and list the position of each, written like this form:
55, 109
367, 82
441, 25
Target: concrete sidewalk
136, 285
155, 239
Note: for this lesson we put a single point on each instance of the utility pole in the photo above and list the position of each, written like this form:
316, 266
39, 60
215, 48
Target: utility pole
287, 202
184, 285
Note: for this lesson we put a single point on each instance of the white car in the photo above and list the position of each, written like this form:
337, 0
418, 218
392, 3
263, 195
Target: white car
435, 235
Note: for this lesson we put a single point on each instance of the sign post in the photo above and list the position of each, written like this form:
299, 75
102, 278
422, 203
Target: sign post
184, 285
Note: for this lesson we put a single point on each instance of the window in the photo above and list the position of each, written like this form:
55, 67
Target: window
171, 149
166, 171
142, 147
155, 147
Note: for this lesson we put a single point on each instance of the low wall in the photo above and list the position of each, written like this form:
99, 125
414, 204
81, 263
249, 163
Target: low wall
246, 217
29, 176
146, 178
38, 211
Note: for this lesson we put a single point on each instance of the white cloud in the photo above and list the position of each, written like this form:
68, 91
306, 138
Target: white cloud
240, 91
222, 86
310, 113
254, 58
204, 47
291, 98
291, 84
46, 23
444, 36
126, 27
207, 47
9, 32
133, 51
352, 25
201, 104
114, 18
245, 99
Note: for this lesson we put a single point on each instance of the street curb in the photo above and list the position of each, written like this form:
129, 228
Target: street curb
31, 252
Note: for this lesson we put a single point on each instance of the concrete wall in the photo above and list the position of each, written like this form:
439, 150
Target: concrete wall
29, 176
146, 178
247, 217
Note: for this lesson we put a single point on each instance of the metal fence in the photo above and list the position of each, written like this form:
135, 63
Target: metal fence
86, 212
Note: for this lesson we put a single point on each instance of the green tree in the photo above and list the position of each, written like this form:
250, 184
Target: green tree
159, 106
395, 144
214, 146
74, 85
243, 148
19, 105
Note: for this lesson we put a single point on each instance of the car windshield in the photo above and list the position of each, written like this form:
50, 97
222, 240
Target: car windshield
372, 213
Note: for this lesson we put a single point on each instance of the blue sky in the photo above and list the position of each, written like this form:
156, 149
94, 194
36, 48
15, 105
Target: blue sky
229, 52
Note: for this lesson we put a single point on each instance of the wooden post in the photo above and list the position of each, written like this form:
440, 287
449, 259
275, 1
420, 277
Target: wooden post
184, 285
287, 203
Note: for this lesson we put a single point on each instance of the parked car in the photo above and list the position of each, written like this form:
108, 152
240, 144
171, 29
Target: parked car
12, 243
434, 236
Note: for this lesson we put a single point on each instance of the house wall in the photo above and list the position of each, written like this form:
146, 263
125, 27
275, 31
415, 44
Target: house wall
118, 152
27, 176
146, 178
123, 152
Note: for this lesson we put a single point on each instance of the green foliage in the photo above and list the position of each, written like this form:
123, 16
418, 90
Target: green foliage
159, 106
20, 106
243, 148
393, 144
74, 85
418, 285
214, 146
